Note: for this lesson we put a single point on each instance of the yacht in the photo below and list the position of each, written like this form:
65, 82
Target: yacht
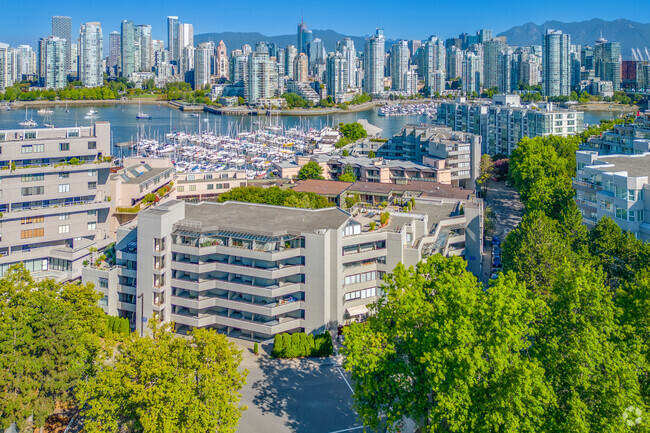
142, 115
45, 111
28, 123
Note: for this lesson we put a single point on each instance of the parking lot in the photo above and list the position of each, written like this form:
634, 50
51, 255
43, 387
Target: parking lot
295, 395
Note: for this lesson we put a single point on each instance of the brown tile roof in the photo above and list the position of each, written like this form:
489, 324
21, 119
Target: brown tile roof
429, 189
322, 187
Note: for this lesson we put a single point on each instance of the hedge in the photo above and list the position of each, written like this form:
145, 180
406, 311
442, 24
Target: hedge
119, 325
299, 345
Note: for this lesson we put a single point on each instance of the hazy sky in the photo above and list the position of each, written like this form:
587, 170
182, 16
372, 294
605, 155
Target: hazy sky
25, 22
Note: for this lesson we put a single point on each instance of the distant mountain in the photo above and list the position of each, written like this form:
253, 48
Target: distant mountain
234, 40
629, 33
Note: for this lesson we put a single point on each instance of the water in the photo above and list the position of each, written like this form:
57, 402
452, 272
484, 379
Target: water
125, 126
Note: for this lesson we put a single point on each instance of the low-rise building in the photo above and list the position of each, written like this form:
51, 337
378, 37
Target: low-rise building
252, 271
439, 147
615, 186
207, 185
54, 198
303, 89
330, 189
627, 139
501, 127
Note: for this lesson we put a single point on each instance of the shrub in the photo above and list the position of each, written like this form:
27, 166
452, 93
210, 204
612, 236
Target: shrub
373, 225
383, 219
256, 349
300, 345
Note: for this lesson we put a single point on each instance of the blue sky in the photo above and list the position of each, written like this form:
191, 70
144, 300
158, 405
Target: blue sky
24, 22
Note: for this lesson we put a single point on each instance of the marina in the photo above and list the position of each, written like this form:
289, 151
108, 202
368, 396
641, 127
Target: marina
428, 109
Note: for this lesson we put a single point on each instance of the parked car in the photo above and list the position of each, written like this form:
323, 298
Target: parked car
496, 250
496, 240
496, 262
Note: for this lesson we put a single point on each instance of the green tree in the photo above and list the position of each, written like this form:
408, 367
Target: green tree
348, 174
486, 169
371, 154
275, 196
311, 170
593, 376
352, 131
166, 384
345, 153
49, 340
447, 354
534, 251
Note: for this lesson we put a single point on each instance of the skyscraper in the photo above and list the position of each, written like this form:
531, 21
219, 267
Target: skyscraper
374, 61
316, 53
433, 59
556, 65
290, 54
128, 48
185, 36
91, 72
144, 60
221, 61
471, 74
114, 52
301, 67
337, 76
607, 62
307, 38
399, 64
62, 27
302, 27
26, 61
172, 38
346, 47
51, 54
492, 67
5, 67
202, 56
260, 82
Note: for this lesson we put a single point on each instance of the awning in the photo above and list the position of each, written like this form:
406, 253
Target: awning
359, 310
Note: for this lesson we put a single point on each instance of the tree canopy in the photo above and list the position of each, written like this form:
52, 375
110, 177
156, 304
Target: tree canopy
311, 170
352, 131
348, 174
166, 384
276, 196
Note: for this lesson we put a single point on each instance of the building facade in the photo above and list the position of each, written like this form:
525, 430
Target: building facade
91, 55
62, 28
374, 62
54, 198
556, 65
51, 53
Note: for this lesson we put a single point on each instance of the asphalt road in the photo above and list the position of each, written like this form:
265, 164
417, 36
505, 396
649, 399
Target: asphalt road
295, 395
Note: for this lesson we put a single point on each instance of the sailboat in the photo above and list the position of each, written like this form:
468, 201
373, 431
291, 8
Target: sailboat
141, 115
28, 123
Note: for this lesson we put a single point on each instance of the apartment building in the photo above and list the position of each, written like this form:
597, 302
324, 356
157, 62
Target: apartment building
625, 139
459, 153
54, 198
253, 271
502, 125
615, 186
368, 169
207, 186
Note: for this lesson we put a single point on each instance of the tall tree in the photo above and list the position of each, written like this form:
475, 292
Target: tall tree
447, 354
49, 340
166, 384
594, 378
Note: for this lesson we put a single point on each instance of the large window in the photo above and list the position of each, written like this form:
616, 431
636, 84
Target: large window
92, 185
361, 294
64, 147
32, 233
92, 226
32, 148
33, 190
103, 283
92, 145
32, 220
64, 187
64, 229
31, 177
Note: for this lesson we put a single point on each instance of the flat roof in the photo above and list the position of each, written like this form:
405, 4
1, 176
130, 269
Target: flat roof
430, 189
634, 165
263, 219
324, 187
145, 175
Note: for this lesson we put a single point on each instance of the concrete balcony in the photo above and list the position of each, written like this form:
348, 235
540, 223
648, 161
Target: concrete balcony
235, 251
204, 302
270, 328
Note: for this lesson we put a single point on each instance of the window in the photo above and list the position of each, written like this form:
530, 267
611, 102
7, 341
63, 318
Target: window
26, 148
226, 185
92, 173
64, 187
30, 135
126, 298
208, 176
64, 175
190, 177
192, 187
218, 186
92, 145
92, 185
73, 133
181, 188
31, 233
92, 226
210, 186
92, 212
103, 283
32, 220
104, 301
639, 215
64, 147
224, 175
31, 177
33, 190
64, 216
361, 294
64, 229
621, 213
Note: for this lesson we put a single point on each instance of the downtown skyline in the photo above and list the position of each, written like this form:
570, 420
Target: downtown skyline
273, 21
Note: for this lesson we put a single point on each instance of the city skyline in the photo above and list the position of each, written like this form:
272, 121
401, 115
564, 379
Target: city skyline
397, 23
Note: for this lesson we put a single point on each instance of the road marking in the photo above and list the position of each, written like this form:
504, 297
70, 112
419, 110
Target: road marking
347, 383
347, 429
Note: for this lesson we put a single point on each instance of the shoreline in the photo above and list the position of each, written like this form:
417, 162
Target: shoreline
87, 102
611, 108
